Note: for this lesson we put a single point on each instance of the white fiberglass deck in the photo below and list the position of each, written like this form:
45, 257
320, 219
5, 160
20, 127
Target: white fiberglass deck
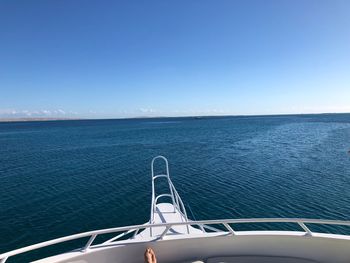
167, 213
258, 259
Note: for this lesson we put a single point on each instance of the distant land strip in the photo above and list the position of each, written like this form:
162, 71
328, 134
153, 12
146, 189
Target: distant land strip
160, 117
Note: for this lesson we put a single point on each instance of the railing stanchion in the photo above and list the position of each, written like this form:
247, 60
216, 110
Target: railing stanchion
88, 244
165, 231
307, 230
229, 228
202, 228
3, 260
136, 232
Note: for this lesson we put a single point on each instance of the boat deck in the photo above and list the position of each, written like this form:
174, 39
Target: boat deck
167, 213
255, 259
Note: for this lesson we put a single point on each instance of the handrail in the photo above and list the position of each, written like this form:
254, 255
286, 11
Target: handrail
175, 197
162, 195
178, 198
93, 234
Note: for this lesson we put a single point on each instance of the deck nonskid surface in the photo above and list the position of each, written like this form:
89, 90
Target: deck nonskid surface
257, 259
166, 213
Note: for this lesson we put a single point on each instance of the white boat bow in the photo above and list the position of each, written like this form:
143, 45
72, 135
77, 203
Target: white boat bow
175, 238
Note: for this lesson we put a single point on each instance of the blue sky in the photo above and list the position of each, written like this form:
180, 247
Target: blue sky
106, 59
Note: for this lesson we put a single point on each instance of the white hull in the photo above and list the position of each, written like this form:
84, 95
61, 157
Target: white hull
244, 247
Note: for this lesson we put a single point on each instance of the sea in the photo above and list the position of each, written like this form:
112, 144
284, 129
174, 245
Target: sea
59, 178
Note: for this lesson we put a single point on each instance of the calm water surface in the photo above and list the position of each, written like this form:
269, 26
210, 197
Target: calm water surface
64, 177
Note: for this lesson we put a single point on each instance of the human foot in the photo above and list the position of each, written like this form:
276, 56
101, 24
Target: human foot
150, 256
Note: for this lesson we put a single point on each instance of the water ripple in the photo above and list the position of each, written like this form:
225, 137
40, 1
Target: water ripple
59, 178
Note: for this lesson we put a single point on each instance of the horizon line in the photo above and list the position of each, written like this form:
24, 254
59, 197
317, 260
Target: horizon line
29, 119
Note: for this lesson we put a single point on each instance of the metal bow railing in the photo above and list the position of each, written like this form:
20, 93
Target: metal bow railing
226, 223
173, 194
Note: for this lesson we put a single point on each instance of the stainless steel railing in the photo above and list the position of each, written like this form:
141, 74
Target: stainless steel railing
174, 195
226, 223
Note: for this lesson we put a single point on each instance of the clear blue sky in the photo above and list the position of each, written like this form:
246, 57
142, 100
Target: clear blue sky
103, 59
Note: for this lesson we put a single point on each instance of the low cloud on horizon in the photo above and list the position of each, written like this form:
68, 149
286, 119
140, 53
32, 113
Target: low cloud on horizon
43, 113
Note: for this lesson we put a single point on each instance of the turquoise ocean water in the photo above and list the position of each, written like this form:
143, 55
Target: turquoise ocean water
63, 177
